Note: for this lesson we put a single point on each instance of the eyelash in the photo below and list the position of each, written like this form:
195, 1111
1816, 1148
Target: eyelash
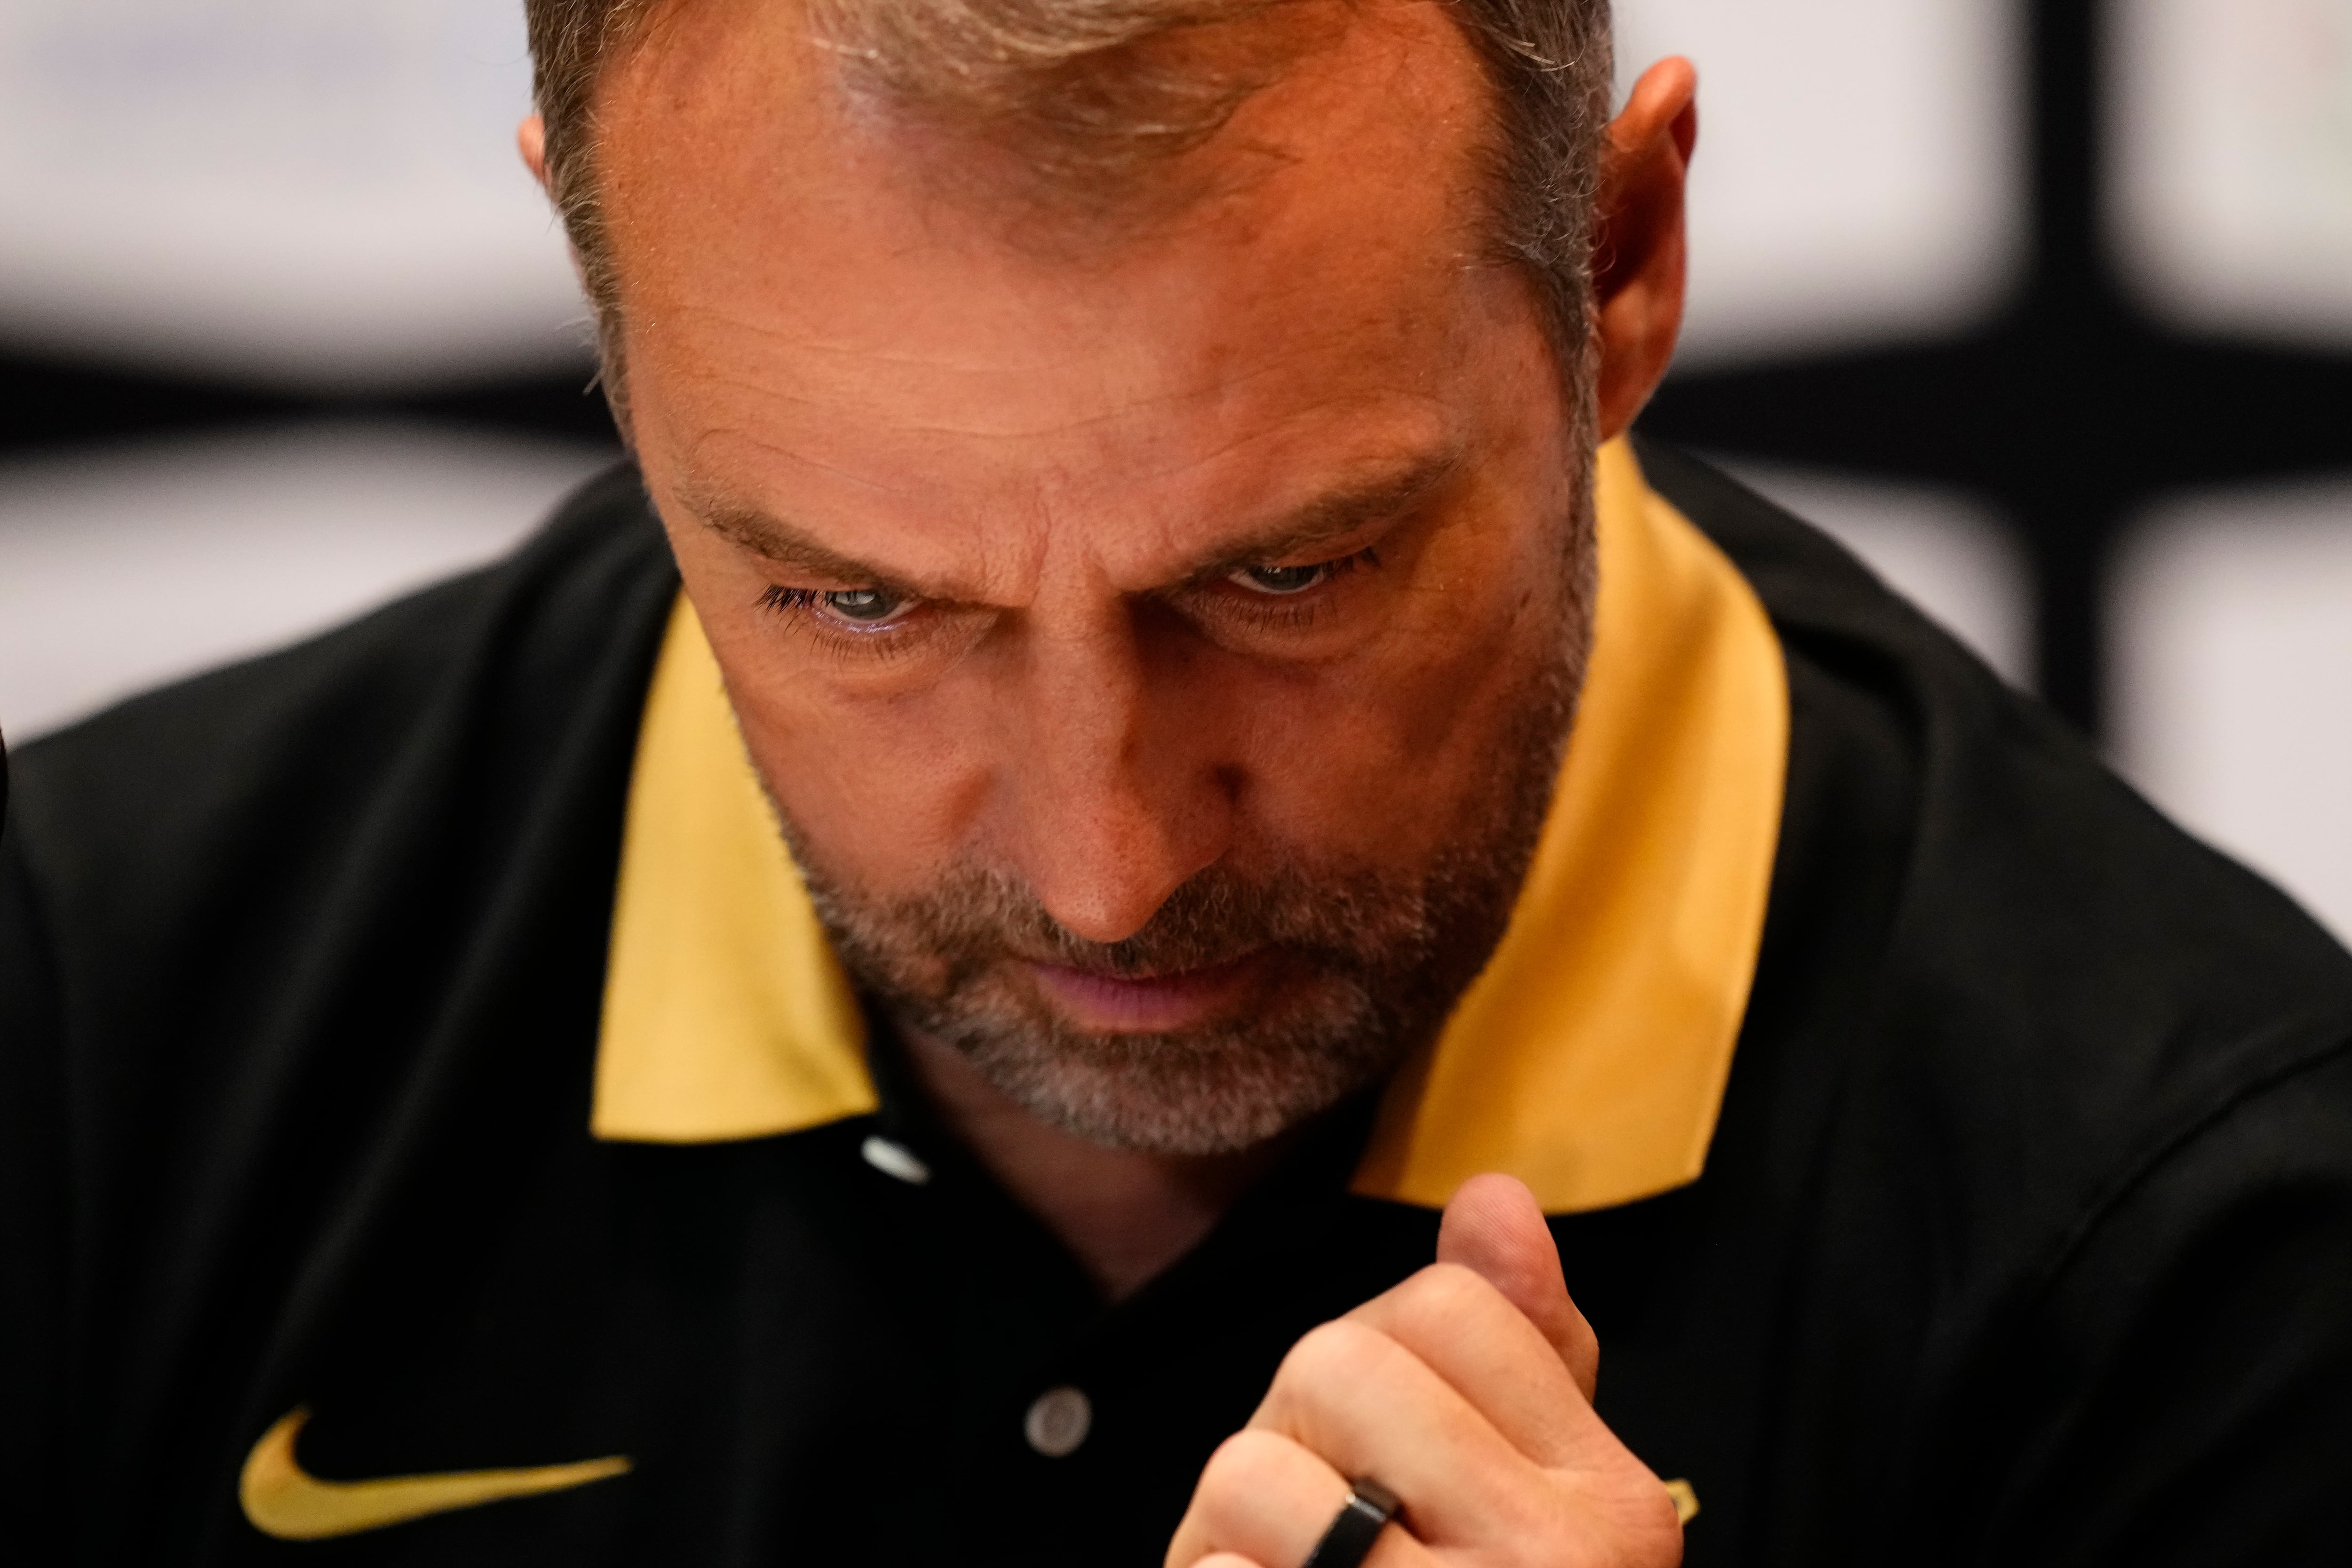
799, 610
800, 606
1292, 611
784, 600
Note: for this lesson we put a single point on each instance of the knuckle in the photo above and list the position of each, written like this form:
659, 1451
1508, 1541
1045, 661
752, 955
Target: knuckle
1618, 1522
1656, 1531
1335, 1351
1453, 1290
1239, 1463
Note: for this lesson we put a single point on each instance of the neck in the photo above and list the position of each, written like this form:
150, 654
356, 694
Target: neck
1124, 1215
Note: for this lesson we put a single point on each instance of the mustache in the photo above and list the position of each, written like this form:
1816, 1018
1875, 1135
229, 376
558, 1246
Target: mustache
1344, 919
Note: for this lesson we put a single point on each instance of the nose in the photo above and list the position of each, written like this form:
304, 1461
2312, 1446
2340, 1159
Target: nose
1113, 791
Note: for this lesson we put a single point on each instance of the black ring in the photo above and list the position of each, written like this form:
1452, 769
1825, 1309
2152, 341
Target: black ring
1370, 1506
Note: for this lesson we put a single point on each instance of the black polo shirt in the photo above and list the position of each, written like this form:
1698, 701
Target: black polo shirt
2025, 1232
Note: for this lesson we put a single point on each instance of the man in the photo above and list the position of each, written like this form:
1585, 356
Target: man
1262, 758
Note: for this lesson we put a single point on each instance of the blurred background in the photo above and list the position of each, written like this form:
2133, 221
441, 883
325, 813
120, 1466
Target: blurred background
2045, 306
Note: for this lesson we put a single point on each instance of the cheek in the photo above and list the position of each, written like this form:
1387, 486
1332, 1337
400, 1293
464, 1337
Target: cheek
1383, 762
879, 789
883, 793
1380, 761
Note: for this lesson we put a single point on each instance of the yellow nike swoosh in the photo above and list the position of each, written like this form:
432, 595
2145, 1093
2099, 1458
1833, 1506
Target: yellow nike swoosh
283, 1499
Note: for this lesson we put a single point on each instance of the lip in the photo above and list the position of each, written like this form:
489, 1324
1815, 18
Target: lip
1145, 1004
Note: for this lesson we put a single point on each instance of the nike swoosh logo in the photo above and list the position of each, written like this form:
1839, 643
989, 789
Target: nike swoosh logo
283, 1499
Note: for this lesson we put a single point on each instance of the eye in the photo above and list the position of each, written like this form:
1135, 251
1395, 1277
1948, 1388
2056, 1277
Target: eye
1281, 581
862, 605
863, 609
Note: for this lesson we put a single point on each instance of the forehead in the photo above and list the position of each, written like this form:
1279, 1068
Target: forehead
817, 293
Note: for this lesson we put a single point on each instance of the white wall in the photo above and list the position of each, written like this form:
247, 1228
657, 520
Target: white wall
1857, 174
119, 572
1955, 559
2232, 689
310, 193
2234, 131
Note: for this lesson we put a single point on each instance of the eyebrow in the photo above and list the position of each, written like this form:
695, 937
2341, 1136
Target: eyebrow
778, 542
1335, 516
1326, 519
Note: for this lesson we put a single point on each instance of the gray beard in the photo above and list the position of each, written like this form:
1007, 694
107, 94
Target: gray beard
1367, 961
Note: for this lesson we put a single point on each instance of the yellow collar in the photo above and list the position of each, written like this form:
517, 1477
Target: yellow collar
1588, 1059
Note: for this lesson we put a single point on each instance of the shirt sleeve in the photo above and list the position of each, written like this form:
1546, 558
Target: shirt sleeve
2184, 1389
33, 1227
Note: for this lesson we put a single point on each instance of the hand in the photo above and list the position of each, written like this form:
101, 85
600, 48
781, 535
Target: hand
1467, 1391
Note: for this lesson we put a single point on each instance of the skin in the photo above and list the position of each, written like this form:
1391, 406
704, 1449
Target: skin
1071, 470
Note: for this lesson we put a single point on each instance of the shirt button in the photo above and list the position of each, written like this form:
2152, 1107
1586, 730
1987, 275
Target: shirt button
895, 1160
1058, 1422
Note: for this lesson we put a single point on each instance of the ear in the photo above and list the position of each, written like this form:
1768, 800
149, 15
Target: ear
531, 137
1641, 249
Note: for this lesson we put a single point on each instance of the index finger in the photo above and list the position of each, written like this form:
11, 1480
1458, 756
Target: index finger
1485, 1348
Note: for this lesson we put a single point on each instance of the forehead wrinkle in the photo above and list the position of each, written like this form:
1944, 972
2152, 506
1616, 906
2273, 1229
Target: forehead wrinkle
1220, 388
1224, 381
790, 456
764, 391
1220, 385
806, 341
769, 392
1404, 434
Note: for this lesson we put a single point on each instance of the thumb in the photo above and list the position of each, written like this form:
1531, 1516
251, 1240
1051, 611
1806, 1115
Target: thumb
1495, 1228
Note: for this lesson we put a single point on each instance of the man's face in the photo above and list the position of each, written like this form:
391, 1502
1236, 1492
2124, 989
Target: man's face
1157, 641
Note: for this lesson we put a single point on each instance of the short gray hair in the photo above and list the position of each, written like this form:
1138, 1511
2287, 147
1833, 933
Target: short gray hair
1087, 89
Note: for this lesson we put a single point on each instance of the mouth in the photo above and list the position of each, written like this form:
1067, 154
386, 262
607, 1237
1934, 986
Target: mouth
1147, 1004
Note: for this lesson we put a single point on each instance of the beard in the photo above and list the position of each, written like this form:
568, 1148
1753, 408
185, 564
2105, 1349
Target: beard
1354, 966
